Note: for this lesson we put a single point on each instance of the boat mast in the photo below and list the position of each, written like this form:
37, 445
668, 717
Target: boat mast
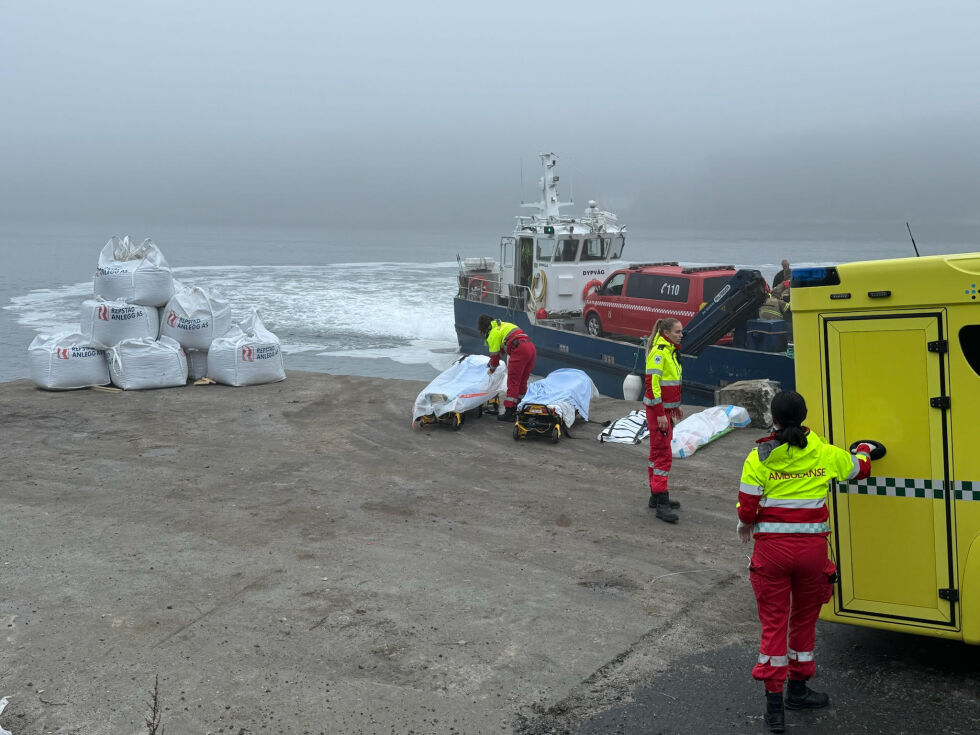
549, 206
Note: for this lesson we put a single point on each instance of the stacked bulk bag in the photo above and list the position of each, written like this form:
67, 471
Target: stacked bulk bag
194, 317
138, 364
106, 323
138, 274
247, 355
65, 360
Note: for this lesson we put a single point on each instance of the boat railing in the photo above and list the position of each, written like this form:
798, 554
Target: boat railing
517, 296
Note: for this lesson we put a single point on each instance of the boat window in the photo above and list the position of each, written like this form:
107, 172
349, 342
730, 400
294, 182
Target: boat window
595, 248
970, 344
567, 250
661, 288
613, 285
616, 247
546, 248
507, 251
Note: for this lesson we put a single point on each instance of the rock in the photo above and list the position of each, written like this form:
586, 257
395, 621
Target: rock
754, 395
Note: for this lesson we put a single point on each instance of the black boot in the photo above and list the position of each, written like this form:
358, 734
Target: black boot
509, 414
800, 696
664, 511
775, 717
653, 502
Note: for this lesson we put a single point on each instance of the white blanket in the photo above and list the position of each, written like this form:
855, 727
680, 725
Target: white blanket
565, 391
462, 386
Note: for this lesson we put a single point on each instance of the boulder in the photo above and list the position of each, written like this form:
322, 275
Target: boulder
754, 395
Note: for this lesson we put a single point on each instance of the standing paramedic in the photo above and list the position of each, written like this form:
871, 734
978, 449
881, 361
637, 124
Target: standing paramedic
662, 400
509, 341
783, 500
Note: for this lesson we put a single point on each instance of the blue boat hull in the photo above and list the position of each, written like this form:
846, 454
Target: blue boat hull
608, 362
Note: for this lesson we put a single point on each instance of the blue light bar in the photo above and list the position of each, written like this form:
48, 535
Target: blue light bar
820, 276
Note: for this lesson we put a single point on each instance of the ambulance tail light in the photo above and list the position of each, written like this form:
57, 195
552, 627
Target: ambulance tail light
821, 276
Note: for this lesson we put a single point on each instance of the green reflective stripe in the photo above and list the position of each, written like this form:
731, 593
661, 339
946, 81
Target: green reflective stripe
651, 401
771, 527
655, 371
661, 473
670, 383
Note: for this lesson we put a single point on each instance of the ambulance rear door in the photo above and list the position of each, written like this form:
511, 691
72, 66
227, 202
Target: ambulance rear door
886, 378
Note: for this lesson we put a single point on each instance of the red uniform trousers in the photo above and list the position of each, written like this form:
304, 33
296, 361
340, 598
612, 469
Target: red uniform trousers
658, 466
790, 576
520, 362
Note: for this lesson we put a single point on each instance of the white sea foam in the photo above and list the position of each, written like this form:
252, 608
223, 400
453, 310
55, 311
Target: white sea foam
399, 311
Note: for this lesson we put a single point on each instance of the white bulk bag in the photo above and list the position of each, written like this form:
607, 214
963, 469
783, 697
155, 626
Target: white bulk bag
64, 360
136, 364
248, 355
107, 322
194, 317
135, 273
197, 364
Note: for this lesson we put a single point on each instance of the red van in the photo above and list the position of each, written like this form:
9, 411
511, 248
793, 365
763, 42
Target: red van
632, 299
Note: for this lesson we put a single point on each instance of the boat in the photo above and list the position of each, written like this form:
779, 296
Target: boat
540, 280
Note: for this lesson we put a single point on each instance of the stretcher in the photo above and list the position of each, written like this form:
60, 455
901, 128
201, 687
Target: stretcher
462, 388
551, 405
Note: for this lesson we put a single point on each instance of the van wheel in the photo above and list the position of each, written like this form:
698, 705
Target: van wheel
592, 325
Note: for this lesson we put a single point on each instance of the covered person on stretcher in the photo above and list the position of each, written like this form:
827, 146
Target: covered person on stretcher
509, 342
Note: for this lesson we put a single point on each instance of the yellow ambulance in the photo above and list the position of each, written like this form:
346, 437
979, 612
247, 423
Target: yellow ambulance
890, 350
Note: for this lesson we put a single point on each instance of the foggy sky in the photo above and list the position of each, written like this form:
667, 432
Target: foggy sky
848, 115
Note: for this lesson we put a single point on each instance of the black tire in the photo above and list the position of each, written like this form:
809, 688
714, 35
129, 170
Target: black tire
517, 432
556, 434
593, 325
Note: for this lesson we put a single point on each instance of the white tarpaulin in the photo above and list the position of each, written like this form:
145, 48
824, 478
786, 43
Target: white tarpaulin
246, 355
705, 426
462, 386
106, 323
565, 391
137, 274
65, 360
138, 364
195, 317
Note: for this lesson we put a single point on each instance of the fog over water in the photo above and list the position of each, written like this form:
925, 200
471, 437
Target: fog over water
826, 119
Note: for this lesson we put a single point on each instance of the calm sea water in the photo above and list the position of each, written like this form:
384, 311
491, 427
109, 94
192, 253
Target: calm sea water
355, 302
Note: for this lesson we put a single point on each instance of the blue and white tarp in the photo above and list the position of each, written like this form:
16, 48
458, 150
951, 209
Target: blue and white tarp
566, 391
462, 386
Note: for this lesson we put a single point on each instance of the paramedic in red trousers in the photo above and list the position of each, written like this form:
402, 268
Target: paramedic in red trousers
782, 499
508, 341
662, 400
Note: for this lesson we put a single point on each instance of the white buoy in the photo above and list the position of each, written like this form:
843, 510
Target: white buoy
632, 387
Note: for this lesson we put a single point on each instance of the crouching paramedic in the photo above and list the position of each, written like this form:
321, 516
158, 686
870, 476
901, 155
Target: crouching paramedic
662, 400
509, 342
783, 500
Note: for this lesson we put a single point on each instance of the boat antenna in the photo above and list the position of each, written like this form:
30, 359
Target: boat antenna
913, 240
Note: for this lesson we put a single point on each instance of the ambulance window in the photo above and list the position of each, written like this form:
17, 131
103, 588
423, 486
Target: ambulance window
970, 344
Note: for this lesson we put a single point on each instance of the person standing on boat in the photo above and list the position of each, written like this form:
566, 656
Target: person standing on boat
509, 342
784, 275
662, 400
782, 498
